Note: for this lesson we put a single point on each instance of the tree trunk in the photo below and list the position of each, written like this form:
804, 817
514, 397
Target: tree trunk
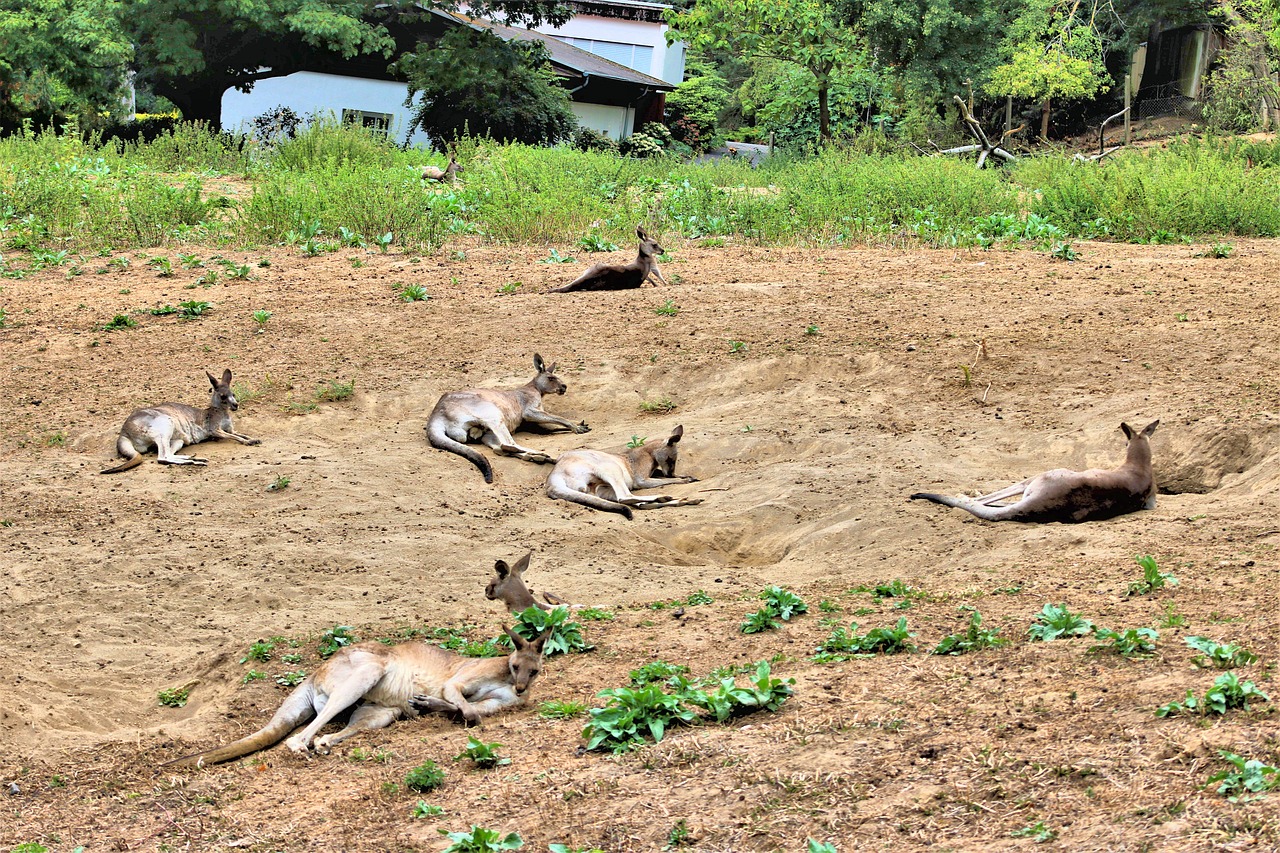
1252, 36
199, 102
824, 111
1044, 120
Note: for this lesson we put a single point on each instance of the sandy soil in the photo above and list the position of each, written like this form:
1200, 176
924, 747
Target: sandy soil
807, 445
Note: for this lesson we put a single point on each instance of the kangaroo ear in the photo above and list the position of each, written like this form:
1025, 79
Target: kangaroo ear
521, 564
640, 232
675, 435
213, 380
519, 642
552, 368
502, 568
539, 363
1150, 428
1127, 430
226, 376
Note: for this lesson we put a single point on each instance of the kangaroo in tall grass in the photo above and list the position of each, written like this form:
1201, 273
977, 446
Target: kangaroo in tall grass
169, 426
1072, 496
509, 588
448, 174
384, 683
603, 481
621, 276
490, 416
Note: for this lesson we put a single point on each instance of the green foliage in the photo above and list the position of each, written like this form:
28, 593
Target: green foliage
1217, 250
975, 638
174, 697
668, 308
694, 107
426, 777
291, 679
1250, 776
679, 836
472, 81
844, 644
1039, 832
259, 651
1227, 692
729, 699
483, 755
656, 671
1219, 655
192, 308
561, 709
413, 293
336, 391
1152, 578
252, 675
760, 621
1233, 90
1129, 643
595, 614
566, 636
1063, 252
1055, 621
119, 321
1052, 51
593, 242
783, 603
335, 638
425, 809
812, 846
636, 441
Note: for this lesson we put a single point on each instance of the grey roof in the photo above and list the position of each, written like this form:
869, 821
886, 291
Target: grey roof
563, 53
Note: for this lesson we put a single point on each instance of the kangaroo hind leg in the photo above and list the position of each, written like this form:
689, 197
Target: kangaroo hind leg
499, 438
1002, 494
350, 680
365, 718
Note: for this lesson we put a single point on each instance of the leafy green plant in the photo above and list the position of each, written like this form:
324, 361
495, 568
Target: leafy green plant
636, 441
729, 699
425, 809
510, 287
737, 347
1217, 250
161, 265
1055, 621
192, 308
291, 679
1249, 776
975, 638
261, 316
119, 321
561, 710
426, 777
783, 603
383, 241
1129, 643
1152, 578
279, 484
259, 651
483, 755
1214, 654
660, 406
174, 697
680, 835
595, 614
812, 846
656, 671
843, 644
566, 636
811, 330
335, 638
253, 675
240, 272
350, 238
481, 840
335, 391
593, 242
556, 258
760, 621
1063, 252
1227, 692
162, 311
668, 308
1039, 832
413, 293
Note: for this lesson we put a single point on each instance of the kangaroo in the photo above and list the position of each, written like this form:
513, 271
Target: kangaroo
448, 173
1072, 496
604, 481
384, 683
489, 416
169, 426
509, 587
621, 276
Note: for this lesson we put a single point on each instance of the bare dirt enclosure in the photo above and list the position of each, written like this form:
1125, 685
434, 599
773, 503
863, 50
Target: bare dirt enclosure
843, 394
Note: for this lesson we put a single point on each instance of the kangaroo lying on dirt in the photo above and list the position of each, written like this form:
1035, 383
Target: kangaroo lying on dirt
1070, 496
621, 276
448, 173
384, 683
509, 588
169, 426
490, 416
604, 480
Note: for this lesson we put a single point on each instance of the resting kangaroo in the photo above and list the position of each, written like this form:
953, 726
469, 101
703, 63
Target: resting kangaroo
604, 481
448, 173
384, 683
509, 588
490, 416
621, 276
1070, 496
169, 426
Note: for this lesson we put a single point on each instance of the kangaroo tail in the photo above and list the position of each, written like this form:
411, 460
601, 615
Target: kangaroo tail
1012, 512
436, 435
132, 458
559, 492
296, 710
553, 599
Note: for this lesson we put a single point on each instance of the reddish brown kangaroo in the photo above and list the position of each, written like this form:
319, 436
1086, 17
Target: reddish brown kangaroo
509, 588
1072, 496
621, 276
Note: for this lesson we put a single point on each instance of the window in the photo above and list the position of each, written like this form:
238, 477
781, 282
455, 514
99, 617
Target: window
377, 122
637, 57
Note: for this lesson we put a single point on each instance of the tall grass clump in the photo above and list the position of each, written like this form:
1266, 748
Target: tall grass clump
326, 143
189, 146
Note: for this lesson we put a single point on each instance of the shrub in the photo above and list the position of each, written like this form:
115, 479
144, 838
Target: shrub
587, 139
427, 776
640, 146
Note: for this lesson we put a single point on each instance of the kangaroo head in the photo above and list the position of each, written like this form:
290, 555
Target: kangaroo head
1139, 450
1145, 433
222, 396
546, 381
509, 582
664, 455
526, 661
648, 246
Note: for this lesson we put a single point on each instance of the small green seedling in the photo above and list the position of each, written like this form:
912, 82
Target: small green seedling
783, 603
279, 484
425, 809
350, 238
1039, 832
556, 258
259, 651
1227, 692
192, 308
413, 293
811, 331
261, 316
1217, 655
162, 265
253, 675
175, 697
975, 638
760, 621
845, 644
1249, 776
561, 710
656, 671
1064, 252
660, 406
737, 347
679, 836
1055, 621
426, 777
1152, 578
636, 441
335, 638
1130, 643
1217, 250
483, 755
593, 242
812, 846
383, 241
510, 287
668, 308
291, 679
119, 321
335, 391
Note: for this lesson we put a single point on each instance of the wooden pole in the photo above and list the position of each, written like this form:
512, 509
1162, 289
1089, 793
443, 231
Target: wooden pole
1128, 102
1008, 114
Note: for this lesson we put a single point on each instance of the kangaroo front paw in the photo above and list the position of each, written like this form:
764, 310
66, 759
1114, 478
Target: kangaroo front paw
688, 479
297, 745
581, 428
253, 441
425, 704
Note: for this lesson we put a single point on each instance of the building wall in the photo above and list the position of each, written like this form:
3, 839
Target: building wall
308, 92
615, 121
665, 62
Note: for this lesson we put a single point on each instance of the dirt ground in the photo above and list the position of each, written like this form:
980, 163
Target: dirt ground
806, 445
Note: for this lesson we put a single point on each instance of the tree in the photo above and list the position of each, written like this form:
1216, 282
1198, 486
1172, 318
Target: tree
1241, 92
472, 80
60, 58
192, 52
1054, 50
805, 33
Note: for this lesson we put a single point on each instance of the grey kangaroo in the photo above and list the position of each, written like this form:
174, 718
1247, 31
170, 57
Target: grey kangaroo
601, 480
1072, 496
384, 683
509, 588
490, 416
169, 426
621, 276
